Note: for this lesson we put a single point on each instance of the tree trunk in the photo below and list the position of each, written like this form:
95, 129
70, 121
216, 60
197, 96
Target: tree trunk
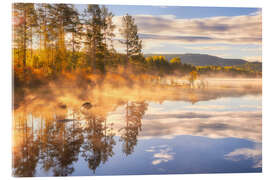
94, 53
31, 43
24, 41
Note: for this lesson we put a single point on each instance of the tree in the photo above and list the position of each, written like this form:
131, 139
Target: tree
134, 114
158, 64
46, 36
59, 145
192, 77
108, 30
98, 33
94, 23
75, 32
175, 60
129, 31
99, 143
23, 22
26, 152
74, 28
62, 16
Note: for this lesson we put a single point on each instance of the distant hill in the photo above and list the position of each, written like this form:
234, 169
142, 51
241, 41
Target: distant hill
205, 60
255, 66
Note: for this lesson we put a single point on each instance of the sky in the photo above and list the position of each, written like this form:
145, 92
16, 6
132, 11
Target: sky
227, 32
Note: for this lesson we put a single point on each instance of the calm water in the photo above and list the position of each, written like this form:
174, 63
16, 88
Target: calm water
219, 134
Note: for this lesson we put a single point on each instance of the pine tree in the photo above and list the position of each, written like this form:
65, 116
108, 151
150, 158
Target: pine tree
61, 20
45, 31
23, 22
74, 30
129, 32
109, 27
97, 28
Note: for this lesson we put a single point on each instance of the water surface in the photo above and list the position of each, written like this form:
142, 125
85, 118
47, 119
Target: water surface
193, 131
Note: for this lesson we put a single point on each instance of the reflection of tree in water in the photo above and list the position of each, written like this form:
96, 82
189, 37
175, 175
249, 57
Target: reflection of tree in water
25, 154
98, 145
55, 145
192, 97
61, 146
134, 114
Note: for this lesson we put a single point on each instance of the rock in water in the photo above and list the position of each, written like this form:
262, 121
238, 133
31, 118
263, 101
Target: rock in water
62, 106
87, 105
65, 120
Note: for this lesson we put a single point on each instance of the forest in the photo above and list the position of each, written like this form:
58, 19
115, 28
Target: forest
56, 42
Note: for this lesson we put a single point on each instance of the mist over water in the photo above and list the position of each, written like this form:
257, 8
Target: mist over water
139, 129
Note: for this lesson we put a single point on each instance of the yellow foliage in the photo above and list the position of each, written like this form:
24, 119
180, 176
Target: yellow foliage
193, 75
175, 60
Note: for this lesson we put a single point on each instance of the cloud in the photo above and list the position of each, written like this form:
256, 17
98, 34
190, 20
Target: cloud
257, 49
162, 154
246, 153
190, 115
159, 32
249, 106
207, 124
173, 38
208, 107
207, 48
253, 58
236, 29
167, 125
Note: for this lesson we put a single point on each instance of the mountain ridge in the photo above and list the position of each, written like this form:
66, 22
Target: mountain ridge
205, 59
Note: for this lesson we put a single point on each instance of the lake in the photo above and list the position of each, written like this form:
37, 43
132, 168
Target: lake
169, 130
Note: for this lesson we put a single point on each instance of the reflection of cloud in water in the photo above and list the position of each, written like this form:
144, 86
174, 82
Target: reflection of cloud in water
242, 124
206, 107
246, 153
162, 154
190, 115
238, 124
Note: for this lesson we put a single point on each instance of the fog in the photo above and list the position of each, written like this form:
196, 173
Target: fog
65, 100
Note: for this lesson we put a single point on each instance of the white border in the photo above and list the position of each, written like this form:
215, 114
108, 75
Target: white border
6, 91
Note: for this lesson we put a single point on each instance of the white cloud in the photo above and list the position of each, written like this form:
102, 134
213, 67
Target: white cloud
236, 29
207, 124
201, 107
246, 153
159, 31
253, 58
207, 48
257, 49
163, 153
